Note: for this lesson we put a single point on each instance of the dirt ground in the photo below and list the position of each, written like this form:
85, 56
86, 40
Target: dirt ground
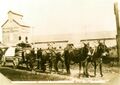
23, 75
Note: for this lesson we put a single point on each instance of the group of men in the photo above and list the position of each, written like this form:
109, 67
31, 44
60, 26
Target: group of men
41, 62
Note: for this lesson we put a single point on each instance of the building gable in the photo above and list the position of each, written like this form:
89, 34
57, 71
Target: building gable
14, 18
13, 23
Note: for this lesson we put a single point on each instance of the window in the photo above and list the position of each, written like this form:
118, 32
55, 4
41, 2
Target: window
26, 39
19, 37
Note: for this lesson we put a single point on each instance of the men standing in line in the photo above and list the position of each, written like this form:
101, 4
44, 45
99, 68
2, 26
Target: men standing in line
58, 58
39, 55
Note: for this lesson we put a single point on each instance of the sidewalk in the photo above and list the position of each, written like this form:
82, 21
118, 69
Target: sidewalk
4, 80
115, 81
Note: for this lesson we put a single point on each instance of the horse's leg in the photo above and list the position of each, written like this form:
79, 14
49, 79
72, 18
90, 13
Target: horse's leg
62, 64
117, 60
31, 66
68, 70
79, 68
86, 69
27, 63
67, 67
95, 66
101, 68
38, 63
50, 65
43, 67
55, 65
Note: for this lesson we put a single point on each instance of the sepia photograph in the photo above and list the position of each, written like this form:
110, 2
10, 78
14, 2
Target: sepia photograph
59, 42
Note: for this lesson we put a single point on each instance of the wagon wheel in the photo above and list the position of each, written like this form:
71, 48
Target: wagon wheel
3, 61
15, 62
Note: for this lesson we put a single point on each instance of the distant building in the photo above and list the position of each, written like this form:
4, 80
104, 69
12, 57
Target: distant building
51, 44
14, 30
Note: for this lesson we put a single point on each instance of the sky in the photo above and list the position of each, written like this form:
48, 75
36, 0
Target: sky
62, 16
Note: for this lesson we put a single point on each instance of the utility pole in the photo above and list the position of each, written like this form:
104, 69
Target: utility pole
116, 11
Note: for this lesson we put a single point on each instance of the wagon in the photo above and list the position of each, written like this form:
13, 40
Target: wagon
10, 57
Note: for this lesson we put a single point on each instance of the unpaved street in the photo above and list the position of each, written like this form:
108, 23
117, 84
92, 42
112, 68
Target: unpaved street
38, 77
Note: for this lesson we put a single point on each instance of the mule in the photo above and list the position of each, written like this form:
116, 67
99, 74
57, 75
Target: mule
58, 58
47, 60
76, 56
97, 57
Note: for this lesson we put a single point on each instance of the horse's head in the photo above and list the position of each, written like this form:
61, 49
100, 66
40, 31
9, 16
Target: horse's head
102, 49
86, 45
91, 51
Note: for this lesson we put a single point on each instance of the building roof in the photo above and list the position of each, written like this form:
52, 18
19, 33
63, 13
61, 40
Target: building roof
20, 23
4, 23
15, 13
16, 23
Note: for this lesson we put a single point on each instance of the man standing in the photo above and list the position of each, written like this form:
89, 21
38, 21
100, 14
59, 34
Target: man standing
58, 58
39, 55
67, 58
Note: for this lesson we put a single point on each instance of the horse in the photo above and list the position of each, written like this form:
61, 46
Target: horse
112, 57
26, 54
83, 59
28, 58
47, 58
97, 57
76, 56
68, 56
58, 58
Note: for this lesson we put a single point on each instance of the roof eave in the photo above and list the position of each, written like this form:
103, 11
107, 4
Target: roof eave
20, 24
5, 23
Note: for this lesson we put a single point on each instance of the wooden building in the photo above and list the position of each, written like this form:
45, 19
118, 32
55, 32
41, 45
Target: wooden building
14, 30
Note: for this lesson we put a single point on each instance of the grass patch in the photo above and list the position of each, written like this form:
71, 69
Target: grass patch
15, 75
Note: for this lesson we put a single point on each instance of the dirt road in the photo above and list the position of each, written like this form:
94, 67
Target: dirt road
110, 73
